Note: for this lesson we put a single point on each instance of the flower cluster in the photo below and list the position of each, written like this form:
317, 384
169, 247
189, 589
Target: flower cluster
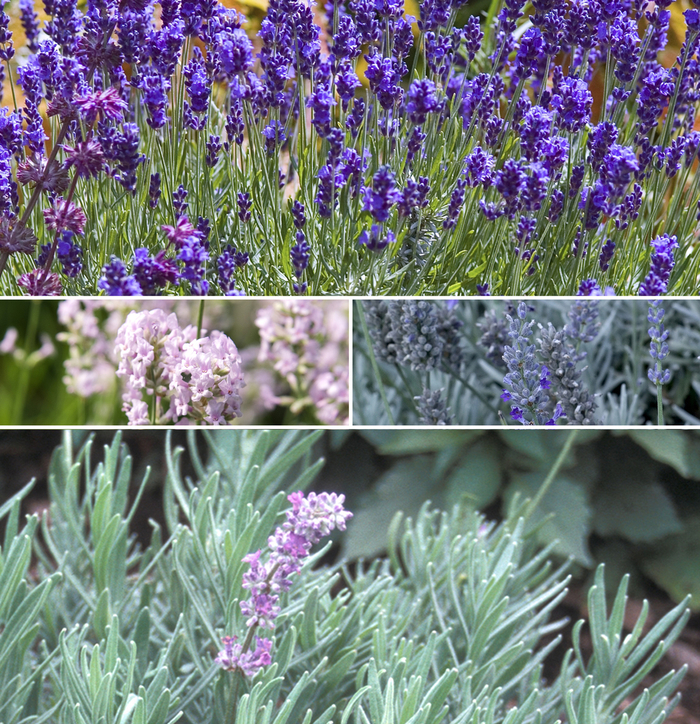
182, 151
420, 335
658, 347
91, 363
307, 349
310, 519
189, 379
560, 349
527, 382
432, 408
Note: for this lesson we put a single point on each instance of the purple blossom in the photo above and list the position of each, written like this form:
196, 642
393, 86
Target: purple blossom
244, 205
382, 74
478, 167
70, 255
658, 347
346, 82
528, 53
154, 190
509, 183
573, 102
662, 263
422, 100
213, 148
30, 23
601, 138
455, 205
155, 88
197, 83
64, 215
274, 136
382, 195
310, 519
229, 260
234, 122
153, 273
300, 254
375, 240
345, 41
116, 282
235, 51
41, 283
606, 254
617, 168
652, 99
106, 104
321, 101
534, 132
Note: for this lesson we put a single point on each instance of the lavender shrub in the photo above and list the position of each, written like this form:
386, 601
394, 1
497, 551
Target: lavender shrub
104, 614
557, 362
349, 149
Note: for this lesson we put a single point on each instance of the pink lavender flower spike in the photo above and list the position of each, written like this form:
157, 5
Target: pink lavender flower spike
317, 515
192, 380
309, 520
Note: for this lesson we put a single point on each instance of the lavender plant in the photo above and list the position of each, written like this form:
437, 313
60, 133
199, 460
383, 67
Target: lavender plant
451, 624
658, 349
348, 149
582, 362
167, 362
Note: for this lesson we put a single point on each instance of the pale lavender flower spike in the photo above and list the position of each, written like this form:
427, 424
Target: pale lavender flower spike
310, 519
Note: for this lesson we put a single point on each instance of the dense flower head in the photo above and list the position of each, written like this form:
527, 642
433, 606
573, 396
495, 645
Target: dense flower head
573, 103
422, 100
432, 408
115, 280
383, 76
41, 283
235, 51
382, 195
70, 255
662, 263
188, 379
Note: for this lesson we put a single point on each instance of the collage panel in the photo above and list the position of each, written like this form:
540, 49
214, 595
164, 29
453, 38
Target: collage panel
190, 572
608, 361
477, 218
359, 147
104, 361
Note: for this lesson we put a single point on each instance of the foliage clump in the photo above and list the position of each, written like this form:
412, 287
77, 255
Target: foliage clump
455, 625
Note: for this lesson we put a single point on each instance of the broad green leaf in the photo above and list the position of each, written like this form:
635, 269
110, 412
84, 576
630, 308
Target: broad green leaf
568, 504
639, 510
414, 442
673, 447
675, 563
404, 487
477, 478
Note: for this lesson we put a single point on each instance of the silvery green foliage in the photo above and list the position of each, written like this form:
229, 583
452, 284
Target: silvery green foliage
609, 386
448, 628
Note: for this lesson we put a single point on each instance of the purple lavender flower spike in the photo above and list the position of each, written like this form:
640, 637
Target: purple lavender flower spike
382, 195
526, 381
658, 347
662, 263
310, 519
